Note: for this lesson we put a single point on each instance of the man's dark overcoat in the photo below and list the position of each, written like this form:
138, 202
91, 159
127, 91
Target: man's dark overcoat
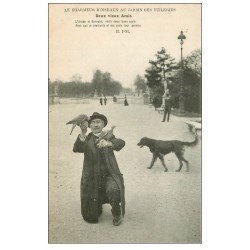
168, 104
90, 181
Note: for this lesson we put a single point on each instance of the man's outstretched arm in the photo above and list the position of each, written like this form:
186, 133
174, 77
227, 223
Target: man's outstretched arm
80, 143
118, 144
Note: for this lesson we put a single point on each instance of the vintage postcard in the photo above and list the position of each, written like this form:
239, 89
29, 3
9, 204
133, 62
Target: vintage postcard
125, 123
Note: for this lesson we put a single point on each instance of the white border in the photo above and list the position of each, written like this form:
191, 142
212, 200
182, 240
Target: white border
24, 127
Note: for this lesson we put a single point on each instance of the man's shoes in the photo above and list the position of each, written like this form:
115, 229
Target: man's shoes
117, 221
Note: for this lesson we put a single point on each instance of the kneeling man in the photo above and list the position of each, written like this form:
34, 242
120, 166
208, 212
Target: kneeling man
102, 181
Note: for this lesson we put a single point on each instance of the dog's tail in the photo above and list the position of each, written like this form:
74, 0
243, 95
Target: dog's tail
193, 130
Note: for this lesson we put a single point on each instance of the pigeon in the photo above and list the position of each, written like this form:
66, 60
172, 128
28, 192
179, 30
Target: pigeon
106, 134
77, 121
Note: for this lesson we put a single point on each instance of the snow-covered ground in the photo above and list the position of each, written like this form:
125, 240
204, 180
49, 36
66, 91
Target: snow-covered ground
160, 207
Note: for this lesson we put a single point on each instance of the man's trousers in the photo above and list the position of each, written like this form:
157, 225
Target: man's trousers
109, 191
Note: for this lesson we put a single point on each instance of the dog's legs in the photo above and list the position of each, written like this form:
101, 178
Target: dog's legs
181, 164
179, 156
162, 161
187, 164
181, 159
153, 161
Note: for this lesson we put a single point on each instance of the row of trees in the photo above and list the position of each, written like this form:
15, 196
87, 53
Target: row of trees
192, 81
140, 84
164, 67
102, 83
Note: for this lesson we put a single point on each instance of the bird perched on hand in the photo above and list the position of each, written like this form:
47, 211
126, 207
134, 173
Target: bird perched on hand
106, 134
77, 121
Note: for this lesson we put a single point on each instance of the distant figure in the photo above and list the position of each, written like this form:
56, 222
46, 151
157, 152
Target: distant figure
167, 109
125, 101
105, 100
114, 99
101, 100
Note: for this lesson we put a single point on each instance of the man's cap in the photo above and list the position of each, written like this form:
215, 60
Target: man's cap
98, 116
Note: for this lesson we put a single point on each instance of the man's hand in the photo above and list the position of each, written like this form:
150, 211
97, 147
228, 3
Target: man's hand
104, 143
84, 126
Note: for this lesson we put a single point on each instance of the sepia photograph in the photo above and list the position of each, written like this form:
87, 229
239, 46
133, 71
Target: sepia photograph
125, 123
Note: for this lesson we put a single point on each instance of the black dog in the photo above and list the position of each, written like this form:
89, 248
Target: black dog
161, 148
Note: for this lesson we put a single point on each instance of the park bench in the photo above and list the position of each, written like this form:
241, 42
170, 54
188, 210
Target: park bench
195, 124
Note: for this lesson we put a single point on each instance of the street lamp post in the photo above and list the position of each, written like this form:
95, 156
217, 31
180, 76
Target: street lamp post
181, 37
163, 78
166, 91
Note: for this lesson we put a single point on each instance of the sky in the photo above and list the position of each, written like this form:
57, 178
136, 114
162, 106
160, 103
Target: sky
79, 50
